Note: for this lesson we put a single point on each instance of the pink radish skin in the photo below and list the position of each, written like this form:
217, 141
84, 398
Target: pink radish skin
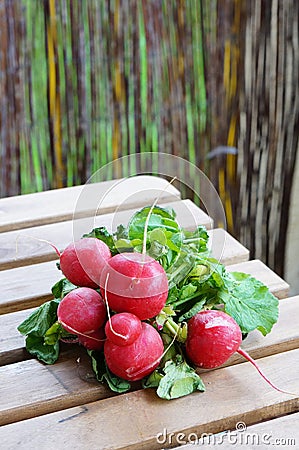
123, 329
94, 340
137, 284
82, 311
213, 336
82, 262
135, 361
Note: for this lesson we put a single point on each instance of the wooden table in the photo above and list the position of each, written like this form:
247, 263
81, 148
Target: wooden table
62, 407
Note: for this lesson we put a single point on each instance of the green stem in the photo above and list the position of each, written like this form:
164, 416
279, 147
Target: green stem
186, 241
185, 300
178, 270
174, 329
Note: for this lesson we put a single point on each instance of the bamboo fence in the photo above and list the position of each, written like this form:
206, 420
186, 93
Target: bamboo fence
83, 82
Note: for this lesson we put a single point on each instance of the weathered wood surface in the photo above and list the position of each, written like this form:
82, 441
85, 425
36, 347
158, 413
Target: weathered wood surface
24, 287
63, 406
136, 419
68, 382
281, 432
58, 205
12, 342
23, 247
225, 248
72, 380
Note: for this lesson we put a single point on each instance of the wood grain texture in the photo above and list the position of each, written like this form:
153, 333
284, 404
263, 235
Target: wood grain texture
134, 420
77, 377
28, 286
12, 343
25, 287
278, 286
24, 247
58, 205
68, 382
225, 248
282, 431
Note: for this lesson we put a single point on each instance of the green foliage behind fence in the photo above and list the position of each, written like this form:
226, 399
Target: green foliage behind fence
84, 82
98, 80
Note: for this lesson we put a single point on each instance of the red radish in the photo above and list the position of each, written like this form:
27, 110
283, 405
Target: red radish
137, 284
82, 261
213, 336
82, 311
123, 328
135, 361
94, 340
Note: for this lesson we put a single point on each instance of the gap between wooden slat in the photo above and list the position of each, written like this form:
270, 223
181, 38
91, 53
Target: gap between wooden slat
12, 343
30, 286
72, 380
134, 420
58, 205
279, 432
24, 247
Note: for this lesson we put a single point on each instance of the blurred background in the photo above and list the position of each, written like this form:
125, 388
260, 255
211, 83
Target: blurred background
84, 82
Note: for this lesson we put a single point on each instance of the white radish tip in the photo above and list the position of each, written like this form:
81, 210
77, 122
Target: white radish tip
36, 239
253, 362
79, 332
108, 310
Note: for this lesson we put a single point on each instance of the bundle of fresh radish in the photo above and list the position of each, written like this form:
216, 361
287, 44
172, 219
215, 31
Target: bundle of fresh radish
149, 303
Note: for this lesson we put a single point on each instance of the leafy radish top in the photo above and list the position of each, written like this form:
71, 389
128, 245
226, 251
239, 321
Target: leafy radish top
165, 277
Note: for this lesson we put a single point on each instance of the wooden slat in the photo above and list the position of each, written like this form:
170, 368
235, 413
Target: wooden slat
283, 338
263, 273
24, 287
11, 343
226, 248
134, 420
22, 247
280, 432
64, 402
68, 382
59, 204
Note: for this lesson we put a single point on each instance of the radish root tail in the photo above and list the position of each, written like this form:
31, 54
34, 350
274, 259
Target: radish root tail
253, 362
79, 333
36, 239
108, 310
